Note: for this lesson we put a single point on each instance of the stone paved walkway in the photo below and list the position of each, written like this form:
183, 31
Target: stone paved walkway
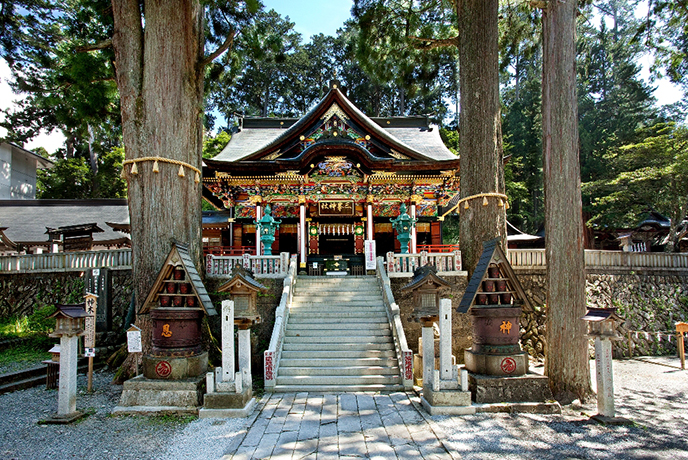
330, 426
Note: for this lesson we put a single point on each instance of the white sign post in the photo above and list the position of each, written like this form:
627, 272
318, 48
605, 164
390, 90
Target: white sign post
370, 254
91, 304
134, 343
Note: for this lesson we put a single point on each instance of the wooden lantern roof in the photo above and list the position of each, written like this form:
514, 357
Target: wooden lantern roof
179, 258
73, 311
242, 278
425, 276
493, 255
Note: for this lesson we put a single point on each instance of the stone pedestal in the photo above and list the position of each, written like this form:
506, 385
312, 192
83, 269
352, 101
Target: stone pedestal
447, 402
173, 368
141, 395
230, 393
506, 365
509, 392
66, 399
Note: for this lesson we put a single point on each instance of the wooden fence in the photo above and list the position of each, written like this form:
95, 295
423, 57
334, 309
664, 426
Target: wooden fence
594, 259
66, 261
265, 266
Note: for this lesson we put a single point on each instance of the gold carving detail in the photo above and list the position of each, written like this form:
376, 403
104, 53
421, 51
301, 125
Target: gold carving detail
398, 156
272, 156
334, 110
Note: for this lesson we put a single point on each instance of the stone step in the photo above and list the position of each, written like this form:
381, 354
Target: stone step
338, 333
338, 380
337, 308
309, 345
341, 339
337, 362
337, 371
337, 298
337, 326
337, 388
331, 320
375, 353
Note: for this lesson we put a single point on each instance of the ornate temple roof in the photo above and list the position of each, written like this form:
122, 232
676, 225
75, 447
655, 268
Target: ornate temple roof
287, 141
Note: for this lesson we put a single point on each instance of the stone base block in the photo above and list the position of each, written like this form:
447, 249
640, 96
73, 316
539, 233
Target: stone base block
227, 405
606, 420
446, 410
550, 408
447, 397
63, 419
501, 365
525, 388
227, 400
142, 395
169, 368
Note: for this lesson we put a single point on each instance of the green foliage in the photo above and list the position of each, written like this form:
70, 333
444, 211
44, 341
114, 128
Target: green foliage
39, 320
214, 145
73, 178
649, 175
24, 354
450, 137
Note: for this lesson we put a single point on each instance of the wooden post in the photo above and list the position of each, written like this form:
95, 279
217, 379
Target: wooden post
90, 374
630, 345
681, 328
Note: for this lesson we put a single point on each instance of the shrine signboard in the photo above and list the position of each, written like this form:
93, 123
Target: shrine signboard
336, 208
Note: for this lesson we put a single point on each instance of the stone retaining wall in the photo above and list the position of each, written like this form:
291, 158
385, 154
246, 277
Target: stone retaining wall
651, 302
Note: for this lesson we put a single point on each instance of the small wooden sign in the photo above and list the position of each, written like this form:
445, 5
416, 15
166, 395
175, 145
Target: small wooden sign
370, 254
91, 305
134, 340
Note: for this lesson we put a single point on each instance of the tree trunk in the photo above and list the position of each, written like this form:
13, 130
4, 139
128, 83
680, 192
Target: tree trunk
480, 142
159, 75
567, 363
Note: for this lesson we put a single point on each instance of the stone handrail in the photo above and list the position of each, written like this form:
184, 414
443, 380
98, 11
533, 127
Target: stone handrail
596, 259
271, 356
66, 261
263, 266
404, 264
404, 353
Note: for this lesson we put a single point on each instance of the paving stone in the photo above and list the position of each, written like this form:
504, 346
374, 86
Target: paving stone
309, 429
352, 444
255, 434
407, 451
285, 445
267, 444
366, 403
305, 448
348, 423
244, 453
347, 402
396, 430
380, 450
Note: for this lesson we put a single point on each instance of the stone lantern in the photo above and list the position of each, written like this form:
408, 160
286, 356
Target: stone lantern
602, 325
403, 226
267, 226
69, 325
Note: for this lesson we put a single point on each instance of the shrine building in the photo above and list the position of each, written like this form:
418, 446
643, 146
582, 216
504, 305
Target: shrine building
334, 178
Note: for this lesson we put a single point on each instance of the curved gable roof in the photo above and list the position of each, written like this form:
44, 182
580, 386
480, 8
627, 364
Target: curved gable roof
411, 137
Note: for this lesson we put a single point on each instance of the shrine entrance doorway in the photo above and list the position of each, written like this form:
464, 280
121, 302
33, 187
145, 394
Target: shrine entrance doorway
336, 238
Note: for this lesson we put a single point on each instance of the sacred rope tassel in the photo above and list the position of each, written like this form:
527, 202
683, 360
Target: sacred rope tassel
501, 203
134, 169
465, 205
484, 201
197, 178
156, 169
123, 174
181, 171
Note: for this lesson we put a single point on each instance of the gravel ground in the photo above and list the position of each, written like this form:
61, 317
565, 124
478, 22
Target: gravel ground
651, 392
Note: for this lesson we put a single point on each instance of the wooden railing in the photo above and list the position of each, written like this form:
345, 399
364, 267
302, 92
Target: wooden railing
265, 266
229, 250
66, 261
438, 247
405, 264
594, 259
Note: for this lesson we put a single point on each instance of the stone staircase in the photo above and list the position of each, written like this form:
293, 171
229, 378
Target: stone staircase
338, 338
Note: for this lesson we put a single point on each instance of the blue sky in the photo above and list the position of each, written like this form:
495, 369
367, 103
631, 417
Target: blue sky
312, 17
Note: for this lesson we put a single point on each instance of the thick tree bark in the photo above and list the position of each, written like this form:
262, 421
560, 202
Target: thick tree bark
159, 75
482, 169
567, 346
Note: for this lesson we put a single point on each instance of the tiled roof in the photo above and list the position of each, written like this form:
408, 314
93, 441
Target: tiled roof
27, 220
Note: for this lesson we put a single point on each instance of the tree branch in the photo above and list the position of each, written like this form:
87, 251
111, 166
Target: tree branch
95, 47
432, 43
229, 41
